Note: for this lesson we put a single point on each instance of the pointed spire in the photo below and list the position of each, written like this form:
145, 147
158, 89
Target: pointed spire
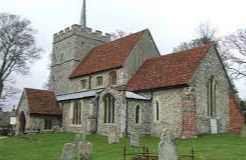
83, 15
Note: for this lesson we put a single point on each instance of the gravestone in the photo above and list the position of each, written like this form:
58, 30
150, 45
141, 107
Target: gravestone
56, 128
134, 139
81, 137
113, 135
167, 146
68, 152
85, 150
243, 132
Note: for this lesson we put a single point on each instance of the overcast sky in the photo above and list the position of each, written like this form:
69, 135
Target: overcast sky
170, 23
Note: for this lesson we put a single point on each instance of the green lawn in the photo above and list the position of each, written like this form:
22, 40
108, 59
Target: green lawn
49, 147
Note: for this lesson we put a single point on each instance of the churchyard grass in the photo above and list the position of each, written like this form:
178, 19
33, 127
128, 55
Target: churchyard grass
49, 147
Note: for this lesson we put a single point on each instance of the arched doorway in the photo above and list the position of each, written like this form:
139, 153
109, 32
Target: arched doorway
22, 121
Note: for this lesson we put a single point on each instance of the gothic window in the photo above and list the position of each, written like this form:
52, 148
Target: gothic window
157, 111
77, 112
112, 78
137, 114
83, 83
212, 97
109, 108
99, 81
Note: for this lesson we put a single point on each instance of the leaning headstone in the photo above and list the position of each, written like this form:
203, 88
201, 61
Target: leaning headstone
134, 139
68, 152
113, 135
85, 150
167, 146
56, 128
243, 132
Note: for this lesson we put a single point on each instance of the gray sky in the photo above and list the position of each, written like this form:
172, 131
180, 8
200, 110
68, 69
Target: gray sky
170, 22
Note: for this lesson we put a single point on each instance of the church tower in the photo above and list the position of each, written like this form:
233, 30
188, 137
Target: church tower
70, 46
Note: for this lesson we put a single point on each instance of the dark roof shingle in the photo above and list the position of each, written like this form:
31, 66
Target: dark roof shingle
168, 70
107, 56
42, 102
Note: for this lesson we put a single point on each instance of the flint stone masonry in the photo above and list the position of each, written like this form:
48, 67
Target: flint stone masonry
211, 65
167, 146
144, 125
68, 152
85, 151
170, 111
121, 80
120, 112
33, 121
69, 48
87, 113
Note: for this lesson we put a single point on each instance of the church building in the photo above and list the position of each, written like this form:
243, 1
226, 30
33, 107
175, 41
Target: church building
97, 83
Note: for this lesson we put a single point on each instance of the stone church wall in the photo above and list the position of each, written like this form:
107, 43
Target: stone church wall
211, 65
121, 80
170, 111
120, 112
144, 125
22, 107
87, 113
38, 121
69, 48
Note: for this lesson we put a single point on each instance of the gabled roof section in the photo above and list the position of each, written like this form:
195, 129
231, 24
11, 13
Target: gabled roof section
107, 56
169, 70
42, 102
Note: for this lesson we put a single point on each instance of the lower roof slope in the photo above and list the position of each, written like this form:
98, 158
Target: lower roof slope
42, 102
168, 70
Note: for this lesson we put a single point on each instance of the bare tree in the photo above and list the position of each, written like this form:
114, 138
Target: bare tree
118, 34
233, 49
205, 34
17, 49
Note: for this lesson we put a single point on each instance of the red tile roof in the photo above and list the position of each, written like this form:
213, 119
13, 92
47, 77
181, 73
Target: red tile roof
107, 56
168, 70
42, 102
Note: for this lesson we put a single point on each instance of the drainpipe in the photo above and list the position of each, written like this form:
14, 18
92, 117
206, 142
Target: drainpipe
97, 109
126, 128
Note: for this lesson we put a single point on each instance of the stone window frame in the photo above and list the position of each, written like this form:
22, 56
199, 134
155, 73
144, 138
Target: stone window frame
212, 84
77, 112
157, 115
84, 84
109, 108
112, 77
97, 82
138, 114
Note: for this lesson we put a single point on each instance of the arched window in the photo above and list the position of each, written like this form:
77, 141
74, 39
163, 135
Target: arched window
212, 97
137, 114
157, 111
112, 78
109, 108
77, 112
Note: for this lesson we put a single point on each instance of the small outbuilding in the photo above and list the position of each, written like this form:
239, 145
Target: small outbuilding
37, 110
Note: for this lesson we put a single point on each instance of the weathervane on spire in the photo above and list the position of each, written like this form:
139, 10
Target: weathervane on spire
83, 15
